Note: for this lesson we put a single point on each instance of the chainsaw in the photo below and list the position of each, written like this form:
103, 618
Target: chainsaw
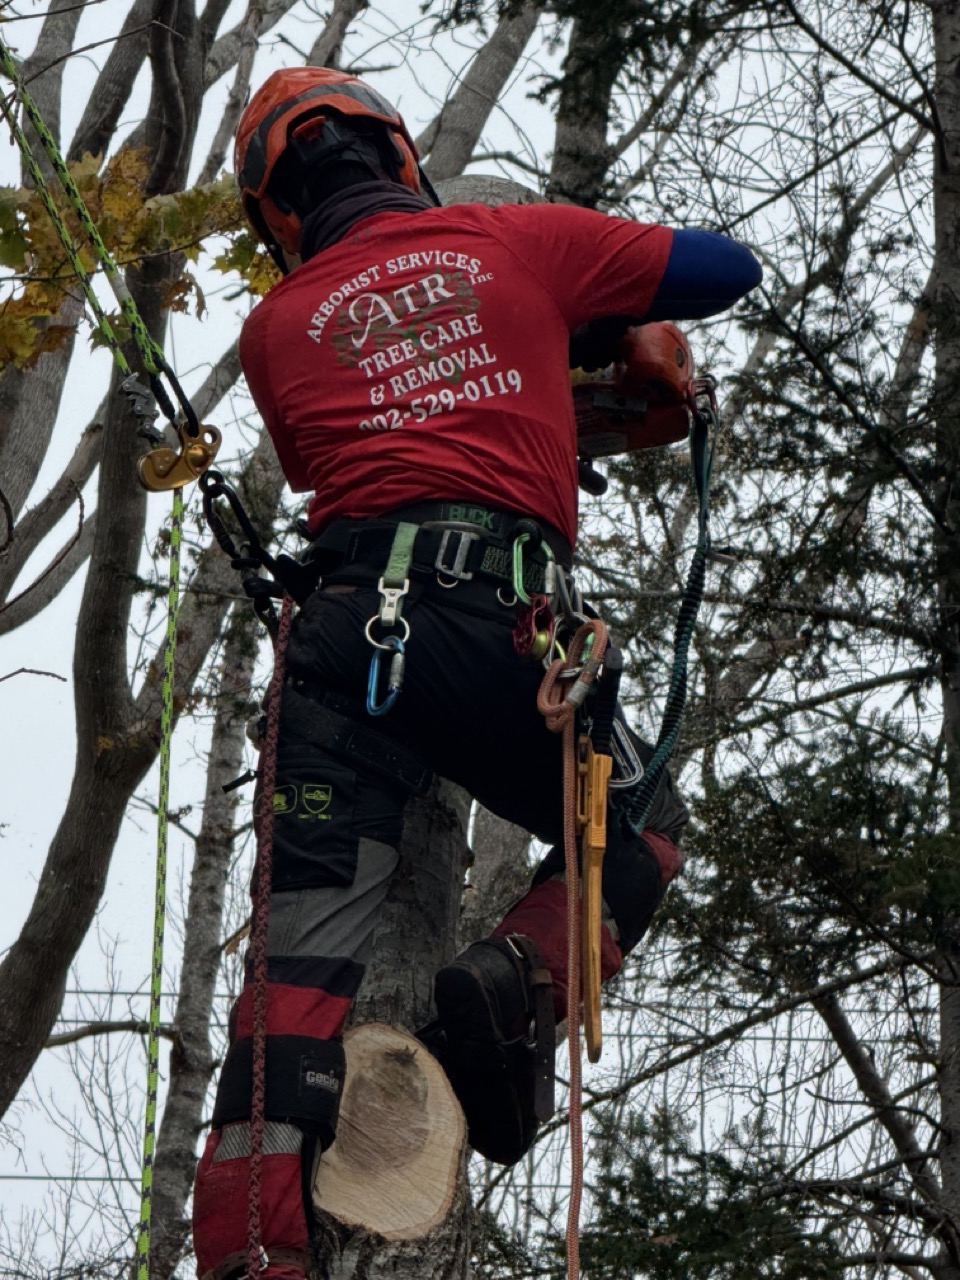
641, 401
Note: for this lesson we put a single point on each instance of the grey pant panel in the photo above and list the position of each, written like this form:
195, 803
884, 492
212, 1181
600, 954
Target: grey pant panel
278, 1139
334, 921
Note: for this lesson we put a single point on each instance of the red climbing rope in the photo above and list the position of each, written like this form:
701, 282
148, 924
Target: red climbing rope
558, 701
262, 876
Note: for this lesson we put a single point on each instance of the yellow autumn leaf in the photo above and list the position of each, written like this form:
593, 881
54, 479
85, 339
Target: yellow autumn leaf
122, 185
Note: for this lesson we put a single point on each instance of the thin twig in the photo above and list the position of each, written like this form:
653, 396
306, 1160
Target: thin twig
32, 671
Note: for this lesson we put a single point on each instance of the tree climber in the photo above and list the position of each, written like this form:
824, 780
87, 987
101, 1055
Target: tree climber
412, 370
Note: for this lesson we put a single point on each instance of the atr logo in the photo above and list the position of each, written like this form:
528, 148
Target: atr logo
316, 796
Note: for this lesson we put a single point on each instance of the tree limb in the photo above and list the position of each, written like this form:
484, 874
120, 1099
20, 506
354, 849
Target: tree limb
326, 50
875, 1091
463, 116
193, 1060
110, 94
237, 97
63, 561
61, 1038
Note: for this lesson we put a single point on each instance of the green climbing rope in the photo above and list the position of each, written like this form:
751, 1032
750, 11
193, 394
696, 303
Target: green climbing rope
160, 898
154, 362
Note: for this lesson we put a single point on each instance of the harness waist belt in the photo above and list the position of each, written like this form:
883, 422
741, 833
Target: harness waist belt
456, 540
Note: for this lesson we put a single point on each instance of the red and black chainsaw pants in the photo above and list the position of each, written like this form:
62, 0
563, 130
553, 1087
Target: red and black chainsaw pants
468, 710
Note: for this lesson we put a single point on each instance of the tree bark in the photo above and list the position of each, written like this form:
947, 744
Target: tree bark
417, 934
582, 153
101, 115
457, 129
499, 874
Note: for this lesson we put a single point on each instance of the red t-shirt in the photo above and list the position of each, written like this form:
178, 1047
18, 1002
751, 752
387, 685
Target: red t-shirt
424, 355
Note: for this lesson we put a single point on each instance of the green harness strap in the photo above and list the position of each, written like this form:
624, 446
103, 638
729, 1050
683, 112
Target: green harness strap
154, 362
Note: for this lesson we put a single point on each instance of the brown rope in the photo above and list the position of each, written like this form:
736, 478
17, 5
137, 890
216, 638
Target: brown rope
558, 704
262, 876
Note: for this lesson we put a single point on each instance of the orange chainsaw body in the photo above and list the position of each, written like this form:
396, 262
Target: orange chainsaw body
640, 402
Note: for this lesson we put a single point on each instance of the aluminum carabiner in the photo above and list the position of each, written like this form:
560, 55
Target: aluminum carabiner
394, 678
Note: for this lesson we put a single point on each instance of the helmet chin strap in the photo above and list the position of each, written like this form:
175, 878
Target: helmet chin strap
276, 253
426, 186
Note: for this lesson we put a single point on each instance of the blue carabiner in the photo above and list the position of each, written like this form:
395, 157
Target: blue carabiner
394, 680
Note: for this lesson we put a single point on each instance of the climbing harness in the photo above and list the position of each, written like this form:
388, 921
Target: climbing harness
161, 469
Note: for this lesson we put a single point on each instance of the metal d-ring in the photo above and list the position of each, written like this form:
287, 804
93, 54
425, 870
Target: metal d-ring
378, 644
507, 604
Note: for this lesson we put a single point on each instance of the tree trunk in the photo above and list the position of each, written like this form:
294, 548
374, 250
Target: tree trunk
417, 934
455, 133
499, 874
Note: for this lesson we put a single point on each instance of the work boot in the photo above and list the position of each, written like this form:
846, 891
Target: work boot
495, 1037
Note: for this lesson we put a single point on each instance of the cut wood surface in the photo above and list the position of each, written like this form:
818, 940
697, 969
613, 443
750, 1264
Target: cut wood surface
392, 1170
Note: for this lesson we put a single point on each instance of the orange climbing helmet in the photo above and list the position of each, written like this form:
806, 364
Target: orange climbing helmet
295, 104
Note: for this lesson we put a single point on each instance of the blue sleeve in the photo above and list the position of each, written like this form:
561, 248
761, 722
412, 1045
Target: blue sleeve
705, 273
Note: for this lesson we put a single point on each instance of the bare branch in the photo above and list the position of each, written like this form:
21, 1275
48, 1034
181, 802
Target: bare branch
226, 51
329, 43
237, 97
31, 671
106, 1028
103, 109
877, 1094
857, 68
31, 603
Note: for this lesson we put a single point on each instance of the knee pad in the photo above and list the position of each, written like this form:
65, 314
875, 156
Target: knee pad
303, 1084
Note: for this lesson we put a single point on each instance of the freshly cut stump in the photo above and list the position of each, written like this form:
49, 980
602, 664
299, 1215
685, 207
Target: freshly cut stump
393, 1168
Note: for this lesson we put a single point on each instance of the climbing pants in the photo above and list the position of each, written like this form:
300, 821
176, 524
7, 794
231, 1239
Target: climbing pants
467, 711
